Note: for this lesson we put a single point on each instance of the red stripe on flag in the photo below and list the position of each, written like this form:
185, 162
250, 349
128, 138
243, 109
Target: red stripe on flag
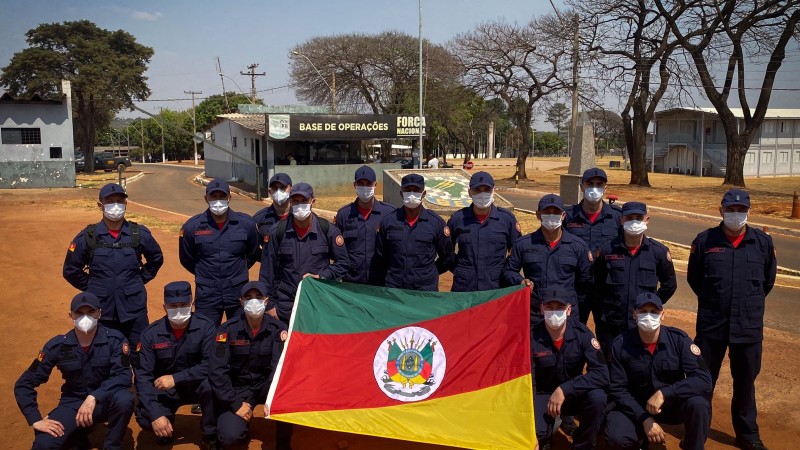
485, 346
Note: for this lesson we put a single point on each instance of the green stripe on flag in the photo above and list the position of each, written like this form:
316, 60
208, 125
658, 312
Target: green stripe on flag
323, 309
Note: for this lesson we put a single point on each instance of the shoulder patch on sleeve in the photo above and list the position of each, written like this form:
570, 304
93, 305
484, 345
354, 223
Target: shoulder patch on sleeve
693, 249
446, 231
595, 344
669, 256
774, 252
695, 350
40, 358
71, 247
339, 240
222, 337
138, 347
181, 233
266, 238
125, 348
591, 258
519, 228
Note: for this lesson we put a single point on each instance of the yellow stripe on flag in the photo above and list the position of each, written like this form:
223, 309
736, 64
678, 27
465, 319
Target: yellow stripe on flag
499, 417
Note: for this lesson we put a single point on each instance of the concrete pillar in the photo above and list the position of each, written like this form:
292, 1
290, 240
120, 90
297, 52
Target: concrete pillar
582, 157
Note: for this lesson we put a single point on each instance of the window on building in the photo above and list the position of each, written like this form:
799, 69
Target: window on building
797, 156
766, 158
21, 136
252, 153
767, 125
55, 152
781, 126
783, 157
750, 159
245, 142
234, 142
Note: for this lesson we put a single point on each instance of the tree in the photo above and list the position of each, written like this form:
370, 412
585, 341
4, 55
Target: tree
736, 33
214, 105
518, 64
557, 116
607, 127
549, 143
105, 68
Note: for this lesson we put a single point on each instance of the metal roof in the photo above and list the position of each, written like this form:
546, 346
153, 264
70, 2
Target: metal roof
255, 122
772, 113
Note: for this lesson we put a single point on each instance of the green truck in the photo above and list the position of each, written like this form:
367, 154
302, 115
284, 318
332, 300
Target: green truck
108, 161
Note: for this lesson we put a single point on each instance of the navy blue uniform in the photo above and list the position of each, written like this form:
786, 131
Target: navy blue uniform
240, 370
584, 393
676, 369
116, 275
219, 260
359, 237
731, 285
265, 219
103, 372
620, 277
567, 266
284, 263
482, 247
605, 228
406, 256
186, 359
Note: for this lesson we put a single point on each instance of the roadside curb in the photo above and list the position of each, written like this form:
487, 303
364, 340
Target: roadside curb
673, 212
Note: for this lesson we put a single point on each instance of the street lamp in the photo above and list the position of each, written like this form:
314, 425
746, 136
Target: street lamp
333, 90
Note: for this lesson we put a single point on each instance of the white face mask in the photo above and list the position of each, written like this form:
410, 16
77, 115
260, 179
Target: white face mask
555, 319
735, 220
179, 316
301, 211
254, 308
114, 211
218, 207
279, 196
593, 194
365, 193
648, 321
634, 227
85, 323
551, 221
412, 199
483, 200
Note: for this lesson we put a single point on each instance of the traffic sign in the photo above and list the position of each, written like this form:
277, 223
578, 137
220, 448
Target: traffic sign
468, 165
198, 137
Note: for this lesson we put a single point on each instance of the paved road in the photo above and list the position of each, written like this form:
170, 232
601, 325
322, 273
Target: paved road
170, 188
682, 230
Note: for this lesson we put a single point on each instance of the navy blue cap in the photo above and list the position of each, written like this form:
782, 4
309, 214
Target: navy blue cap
648, 297
303, 189
413, 179
479, 179
551, 200
111, 189
281, 178
736, 197
218, 184
365, 173
594, 172
634, 208
257, 285
177, 292
554, 294
84, 299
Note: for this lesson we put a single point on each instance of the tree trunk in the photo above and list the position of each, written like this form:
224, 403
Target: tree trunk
523, 153
734, 163
635, 135
85, 128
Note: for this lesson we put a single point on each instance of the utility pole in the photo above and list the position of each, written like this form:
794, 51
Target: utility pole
575, 69
194, 124
252, 74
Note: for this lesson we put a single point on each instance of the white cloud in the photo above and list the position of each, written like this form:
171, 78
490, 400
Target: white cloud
144, 15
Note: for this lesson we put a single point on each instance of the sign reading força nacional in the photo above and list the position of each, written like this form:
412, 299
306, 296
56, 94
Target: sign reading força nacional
343, 126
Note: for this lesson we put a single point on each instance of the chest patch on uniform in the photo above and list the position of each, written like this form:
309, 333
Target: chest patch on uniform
203, 232
339, 241
240, 342
595, 344
695, 350
715, 250
574, 225
541, 354
161, 345
72, 247
614, 257
222, 337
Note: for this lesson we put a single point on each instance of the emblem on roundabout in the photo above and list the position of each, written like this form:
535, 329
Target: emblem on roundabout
410, 365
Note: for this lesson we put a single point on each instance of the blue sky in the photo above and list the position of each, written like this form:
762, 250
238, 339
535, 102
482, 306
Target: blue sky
188, 36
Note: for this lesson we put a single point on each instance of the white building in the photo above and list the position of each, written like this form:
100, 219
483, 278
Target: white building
688, 138
36, 142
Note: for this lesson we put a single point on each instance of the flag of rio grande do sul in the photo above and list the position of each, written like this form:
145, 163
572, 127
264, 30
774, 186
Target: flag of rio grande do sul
444, 368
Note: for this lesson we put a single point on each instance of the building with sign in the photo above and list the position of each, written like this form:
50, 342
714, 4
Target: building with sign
321, 149
688, 139
36, 141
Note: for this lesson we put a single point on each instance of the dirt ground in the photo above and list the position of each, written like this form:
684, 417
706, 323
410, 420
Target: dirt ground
39, 225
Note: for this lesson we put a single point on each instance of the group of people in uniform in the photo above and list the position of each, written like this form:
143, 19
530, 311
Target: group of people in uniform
592, 258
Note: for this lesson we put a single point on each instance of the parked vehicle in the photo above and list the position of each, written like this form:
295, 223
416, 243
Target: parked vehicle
107, 161
80, 162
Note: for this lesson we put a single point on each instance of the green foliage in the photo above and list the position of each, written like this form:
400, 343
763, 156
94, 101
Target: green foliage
105, 68
558, 115
548, 143
214, 105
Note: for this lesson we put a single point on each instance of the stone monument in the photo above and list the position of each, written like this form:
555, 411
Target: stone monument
581, 158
